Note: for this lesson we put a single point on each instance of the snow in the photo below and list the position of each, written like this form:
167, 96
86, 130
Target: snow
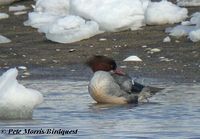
16, 101
187, 28
92, 17
132, 58
3, 39
17, 8
4, 16
188, 2
164, 12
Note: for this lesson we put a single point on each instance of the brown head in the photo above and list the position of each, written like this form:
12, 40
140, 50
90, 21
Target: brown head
103, 63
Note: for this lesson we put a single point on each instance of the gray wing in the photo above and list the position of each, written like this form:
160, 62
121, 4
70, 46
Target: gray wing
125, 82
135, 89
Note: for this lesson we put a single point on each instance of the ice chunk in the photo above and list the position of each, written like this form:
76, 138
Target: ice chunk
53, 7
102, 39
195, 20
179, 30
164, 12
17, 8
167, 39
155, 50
195, 35
37, 20
20, 13
71, 29
189, 28
132, 58
112, 15
16, 101
188, 2
22, 67
4, 39
3, 15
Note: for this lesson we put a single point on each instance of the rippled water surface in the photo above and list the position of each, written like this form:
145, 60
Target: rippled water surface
172, 113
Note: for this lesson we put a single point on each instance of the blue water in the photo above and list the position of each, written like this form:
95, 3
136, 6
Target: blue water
173, 113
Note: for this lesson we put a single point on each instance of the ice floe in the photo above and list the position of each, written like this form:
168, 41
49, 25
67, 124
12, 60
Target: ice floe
3, 39
112, 15
92, 17
164, 12
16, 101
70, 29
187, 28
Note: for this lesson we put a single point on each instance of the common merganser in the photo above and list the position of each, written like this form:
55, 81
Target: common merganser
111, 85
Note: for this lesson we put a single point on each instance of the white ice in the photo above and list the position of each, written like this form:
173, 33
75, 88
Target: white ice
36, 19
164, 12
99, 16
188, 28
22, 67
46, 12
188, 2
70, 29
132, 58
167, 39
17, 8
16, 101
3, 39
195, 35
3, 16
53, 7
20, 13
112, 15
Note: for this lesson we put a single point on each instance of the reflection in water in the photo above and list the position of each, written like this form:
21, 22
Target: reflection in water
172, 113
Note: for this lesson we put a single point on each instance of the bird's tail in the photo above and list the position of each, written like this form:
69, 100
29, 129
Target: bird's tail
147, 92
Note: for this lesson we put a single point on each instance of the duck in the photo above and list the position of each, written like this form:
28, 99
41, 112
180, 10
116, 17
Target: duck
111, 85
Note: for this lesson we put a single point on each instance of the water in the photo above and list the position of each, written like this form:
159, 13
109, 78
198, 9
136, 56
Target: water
173, 113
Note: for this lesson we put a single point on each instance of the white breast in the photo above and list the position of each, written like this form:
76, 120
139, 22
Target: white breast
103, 89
